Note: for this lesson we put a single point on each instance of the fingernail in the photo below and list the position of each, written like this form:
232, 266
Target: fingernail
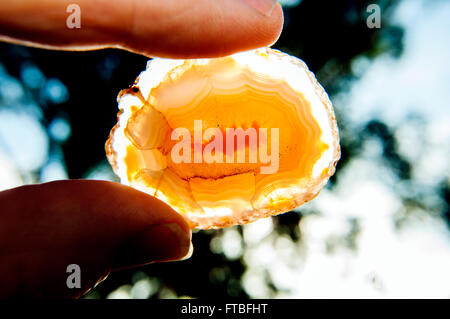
265, 7
162, 242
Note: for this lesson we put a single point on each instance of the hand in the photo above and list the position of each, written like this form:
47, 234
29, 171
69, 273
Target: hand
164, 28
100, 226
104, 226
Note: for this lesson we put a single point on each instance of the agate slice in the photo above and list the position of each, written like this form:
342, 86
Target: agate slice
226, 141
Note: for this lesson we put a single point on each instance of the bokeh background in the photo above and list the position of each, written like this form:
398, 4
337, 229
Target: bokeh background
381, 226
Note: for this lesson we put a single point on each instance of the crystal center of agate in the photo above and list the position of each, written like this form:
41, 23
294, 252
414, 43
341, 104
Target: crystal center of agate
226, 141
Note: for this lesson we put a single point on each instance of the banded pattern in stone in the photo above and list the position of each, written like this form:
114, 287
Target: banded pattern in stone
262, 89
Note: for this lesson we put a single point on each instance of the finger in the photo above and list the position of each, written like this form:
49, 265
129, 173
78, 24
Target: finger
203, 28
99, 226
166, 28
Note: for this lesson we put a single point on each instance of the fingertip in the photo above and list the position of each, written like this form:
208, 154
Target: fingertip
264, 31
248, 29
203, 29
276, 23
158, 243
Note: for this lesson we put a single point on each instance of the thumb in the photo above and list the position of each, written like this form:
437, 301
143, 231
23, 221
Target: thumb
203, 28
95, 225
165, 28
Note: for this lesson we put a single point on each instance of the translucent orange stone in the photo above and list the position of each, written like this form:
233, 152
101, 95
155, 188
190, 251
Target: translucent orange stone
226, 141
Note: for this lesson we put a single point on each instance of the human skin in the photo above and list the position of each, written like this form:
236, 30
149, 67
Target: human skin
163, 28
103, 226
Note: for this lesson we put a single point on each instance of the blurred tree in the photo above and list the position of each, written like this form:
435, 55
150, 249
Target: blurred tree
327, 35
